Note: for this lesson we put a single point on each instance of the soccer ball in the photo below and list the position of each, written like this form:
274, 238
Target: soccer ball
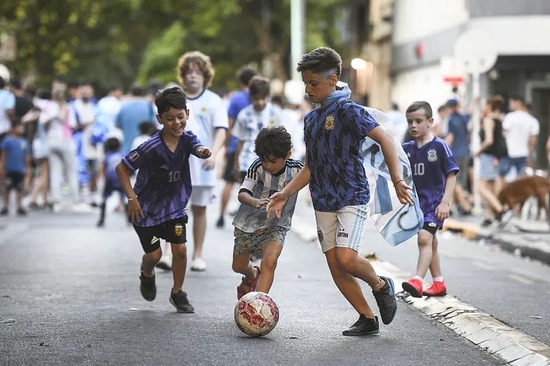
256, 314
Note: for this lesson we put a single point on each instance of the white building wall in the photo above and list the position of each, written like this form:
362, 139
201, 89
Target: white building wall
415, 19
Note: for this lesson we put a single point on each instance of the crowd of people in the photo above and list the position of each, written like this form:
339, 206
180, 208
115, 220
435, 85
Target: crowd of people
160, 149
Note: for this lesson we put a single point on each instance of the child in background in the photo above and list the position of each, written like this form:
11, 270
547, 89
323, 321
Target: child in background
254, 231
15, 163
146, 130
434, 175
112, 158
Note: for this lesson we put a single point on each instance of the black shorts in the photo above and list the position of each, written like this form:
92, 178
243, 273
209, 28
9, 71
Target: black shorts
15, 181
431, 227
172, 231
229, 170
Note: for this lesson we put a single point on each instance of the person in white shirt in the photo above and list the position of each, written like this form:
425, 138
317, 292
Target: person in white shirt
208, 120
520, 131
7, 108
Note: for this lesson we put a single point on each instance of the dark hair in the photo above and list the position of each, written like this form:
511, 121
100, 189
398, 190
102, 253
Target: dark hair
2, 83
259, 87
136, 90
394, 106
73, 84
496, 102
170, 98
201, 61
278, 100
16, 84
112, 144
245, 74
518, 98
44, 93
442, 107
16, 121
421, 105
273, 141
321, 60
147, 128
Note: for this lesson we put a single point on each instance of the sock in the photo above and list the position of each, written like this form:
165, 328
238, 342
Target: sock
417, 277
438, 279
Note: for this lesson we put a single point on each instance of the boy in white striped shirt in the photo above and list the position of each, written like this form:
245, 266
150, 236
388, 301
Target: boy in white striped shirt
254, 231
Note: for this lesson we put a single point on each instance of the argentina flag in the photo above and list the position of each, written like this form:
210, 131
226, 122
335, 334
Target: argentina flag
395, 221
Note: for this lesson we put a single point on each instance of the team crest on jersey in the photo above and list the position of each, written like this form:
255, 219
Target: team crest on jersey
432, 155
178, 229
329, 122
271, 122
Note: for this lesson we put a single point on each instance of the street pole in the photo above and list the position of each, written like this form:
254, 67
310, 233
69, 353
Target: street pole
297, 33
476, 113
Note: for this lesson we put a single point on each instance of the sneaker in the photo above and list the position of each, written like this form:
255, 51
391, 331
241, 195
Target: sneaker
181, 303
364, 326
413, 287
504, 218
385, 299
198, 265
4, 212
221, 222
486, 222
243, 288
436, 289
100, 223
147, 287
165, 263
21, 212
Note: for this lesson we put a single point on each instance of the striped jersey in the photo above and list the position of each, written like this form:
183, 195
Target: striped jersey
163, 183
248, 124
430, 164
261, 184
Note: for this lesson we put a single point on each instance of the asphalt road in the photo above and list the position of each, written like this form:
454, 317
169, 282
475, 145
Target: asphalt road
69, 296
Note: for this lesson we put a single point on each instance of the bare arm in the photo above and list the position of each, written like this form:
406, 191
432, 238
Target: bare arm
442, 211
488, 128
247, 199
219, 142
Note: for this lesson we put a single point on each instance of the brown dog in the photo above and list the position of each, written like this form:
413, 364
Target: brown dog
514, 194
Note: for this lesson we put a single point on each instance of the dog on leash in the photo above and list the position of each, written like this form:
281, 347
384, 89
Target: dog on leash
516, 193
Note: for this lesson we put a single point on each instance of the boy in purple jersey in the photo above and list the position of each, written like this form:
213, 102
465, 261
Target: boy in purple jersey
434, 175
334, 170
156, 204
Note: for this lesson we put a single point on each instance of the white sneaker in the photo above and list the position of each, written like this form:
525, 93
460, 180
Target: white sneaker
165, 262
198, 265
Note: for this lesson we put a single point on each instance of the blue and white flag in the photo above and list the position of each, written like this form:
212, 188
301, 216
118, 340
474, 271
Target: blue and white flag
396, 222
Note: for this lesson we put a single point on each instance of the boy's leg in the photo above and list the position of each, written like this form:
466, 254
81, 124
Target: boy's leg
201, 197
102, 208
179, 265
438, 287
5, 199
414, 286
435, 265
270, 256
245, 244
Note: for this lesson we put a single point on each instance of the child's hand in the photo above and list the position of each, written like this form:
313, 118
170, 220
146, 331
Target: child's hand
276, 204
203, 152
134, 210
442, 211
209, 163
402, 190
261, 202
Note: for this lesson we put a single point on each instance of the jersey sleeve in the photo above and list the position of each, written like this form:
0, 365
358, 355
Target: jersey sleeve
251, 178
448, 164
137, 159
191, 142
220, 119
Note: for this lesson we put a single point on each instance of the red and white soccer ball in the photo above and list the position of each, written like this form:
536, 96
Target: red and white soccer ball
256, 314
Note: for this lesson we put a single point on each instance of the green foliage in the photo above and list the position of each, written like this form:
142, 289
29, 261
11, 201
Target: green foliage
122, 41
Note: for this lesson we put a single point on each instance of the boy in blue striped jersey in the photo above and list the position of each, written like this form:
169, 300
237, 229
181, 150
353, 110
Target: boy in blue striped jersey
254, 231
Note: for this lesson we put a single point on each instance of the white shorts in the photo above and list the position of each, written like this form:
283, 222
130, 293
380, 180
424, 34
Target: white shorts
343, 228
202, 196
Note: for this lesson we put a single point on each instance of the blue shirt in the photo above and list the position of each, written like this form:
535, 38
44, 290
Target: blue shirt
110, 162
163, 183
333, 137
458, 126
131, 115
16, 150
238, 101
431, 164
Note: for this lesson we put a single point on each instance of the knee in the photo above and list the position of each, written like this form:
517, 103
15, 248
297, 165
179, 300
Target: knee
269, 263
154, 256
179, 251
239, 267
346, 261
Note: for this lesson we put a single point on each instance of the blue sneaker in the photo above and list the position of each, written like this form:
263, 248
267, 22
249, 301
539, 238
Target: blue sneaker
385, 299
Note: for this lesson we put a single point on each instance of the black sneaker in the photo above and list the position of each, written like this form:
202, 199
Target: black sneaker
4, 212
147, 287
221, 222
364, 326
21, 212
385, 298
181, 303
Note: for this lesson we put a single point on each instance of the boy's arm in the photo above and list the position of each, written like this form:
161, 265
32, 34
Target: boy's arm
278, 200
219, 141
28, 171
246, 198
202, 152
442, 211
379, 135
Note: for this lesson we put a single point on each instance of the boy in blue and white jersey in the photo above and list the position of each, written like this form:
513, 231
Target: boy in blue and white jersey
156, 204
434, 174
254, 231
251, 119
334, 170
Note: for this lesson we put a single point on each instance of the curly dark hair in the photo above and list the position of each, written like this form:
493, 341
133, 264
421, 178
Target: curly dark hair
170, 98
321, 60
273, 142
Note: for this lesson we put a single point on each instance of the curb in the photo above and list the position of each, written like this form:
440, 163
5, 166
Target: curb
533, 247
498, 339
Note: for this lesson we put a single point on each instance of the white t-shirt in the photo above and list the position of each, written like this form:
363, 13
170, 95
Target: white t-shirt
247, 126
109, 106
207, 113
7, 102
519, 126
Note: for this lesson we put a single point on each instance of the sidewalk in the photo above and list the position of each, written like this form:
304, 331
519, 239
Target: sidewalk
526, 238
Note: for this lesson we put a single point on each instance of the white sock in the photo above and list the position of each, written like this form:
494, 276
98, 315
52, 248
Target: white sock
417, 277
438, 279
